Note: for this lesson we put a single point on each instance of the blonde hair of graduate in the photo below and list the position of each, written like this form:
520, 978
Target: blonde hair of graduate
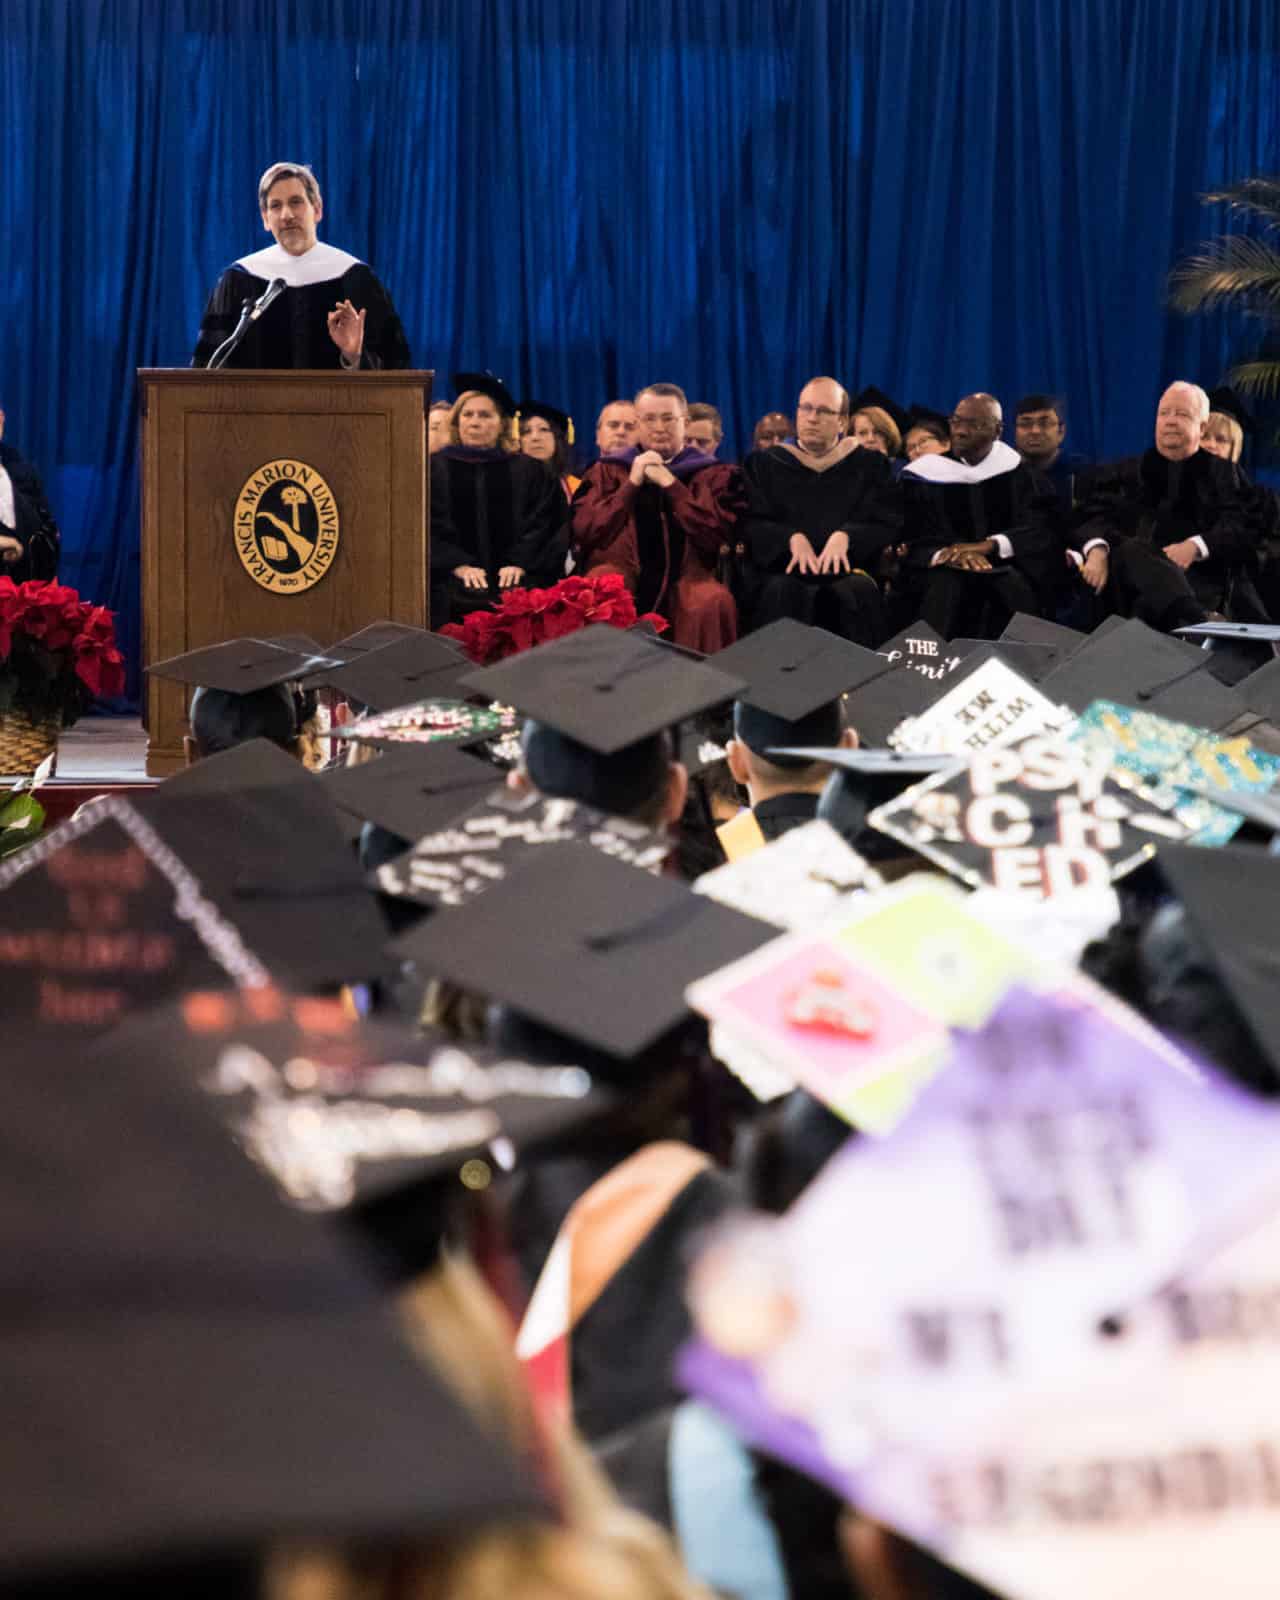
599, 1551
1222, 422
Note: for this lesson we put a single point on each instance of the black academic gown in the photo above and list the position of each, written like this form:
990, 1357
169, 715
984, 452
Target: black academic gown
35, 528
787, 496
492, 509
1021, 505
294, 330
1142, 503
782, 812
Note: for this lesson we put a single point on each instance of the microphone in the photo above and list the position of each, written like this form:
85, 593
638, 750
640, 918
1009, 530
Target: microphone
272, 292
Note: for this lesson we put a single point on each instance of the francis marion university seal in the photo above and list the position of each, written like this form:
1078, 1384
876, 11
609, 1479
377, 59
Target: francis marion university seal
286, 526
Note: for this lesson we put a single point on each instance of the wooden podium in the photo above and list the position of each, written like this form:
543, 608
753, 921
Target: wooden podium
276, 503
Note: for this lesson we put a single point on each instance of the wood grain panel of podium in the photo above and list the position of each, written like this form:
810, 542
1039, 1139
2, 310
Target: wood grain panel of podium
276, 502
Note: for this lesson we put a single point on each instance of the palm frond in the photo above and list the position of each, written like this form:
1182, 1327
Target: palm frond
1246, 271
1258, 197
1257, 377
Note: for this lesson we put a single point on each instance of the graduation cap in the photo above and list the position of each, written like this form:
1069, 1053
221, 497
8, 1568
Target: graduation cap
1034, 659
925, 416
485, 383
608, 966
1225, 400
874, 763
256, 764
380, 1126
1260, 691
417, 666
303, 643
412, 791
599, 700
1252, 632
239, 666
248, 1385
881, 705
1138, 667
561, 421
1023, 628
1230, 896
795, 676
871, 396
278, 866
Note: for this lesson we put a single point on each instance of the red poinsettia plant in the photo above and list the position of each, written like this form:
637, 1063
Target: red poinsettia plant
525, 617
57, 652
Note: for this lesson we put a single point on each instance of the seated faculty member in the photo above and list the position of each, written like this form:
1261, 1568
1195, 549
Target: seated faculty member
820, 512
498, 518
1166, 536
616, 427
979, 538
705, 428
659, 514
333, 312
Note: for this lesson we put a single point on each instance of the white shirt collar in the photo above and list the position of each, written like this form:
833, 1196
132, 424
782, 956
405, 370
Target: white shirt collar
944, 469
8, 512
320, 264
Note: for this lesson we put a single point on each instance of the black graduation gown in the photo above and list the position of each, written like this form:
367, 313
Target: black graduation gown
294, 330
35, 528
493, 509
784, 497
1019, 503
782, 812
1158, 502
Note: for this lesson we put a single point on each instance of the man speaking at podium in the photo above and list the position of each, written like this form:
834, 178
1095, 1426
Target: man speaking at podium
299, 303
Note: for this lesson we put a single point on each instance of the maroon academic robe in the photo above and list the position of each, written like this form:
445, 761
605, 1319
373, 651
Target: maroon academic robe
664, 542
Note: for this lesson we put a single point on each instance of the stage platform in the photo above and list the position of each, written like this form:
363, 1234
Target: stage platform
99, 755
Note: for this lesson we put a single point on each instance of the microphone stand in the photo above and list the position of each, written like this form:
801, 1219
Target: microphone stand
227, 348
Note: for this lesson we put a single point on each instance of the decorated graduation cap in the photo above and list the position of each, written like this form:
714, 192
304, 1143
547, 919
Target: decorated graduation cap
1139, 667
561, 421
599, 702
609, 968
1225, 400
485, 383
417, 666
247, 1383
795, 676
986, 1401
377, 1125
411, 791
239, 666
871, 396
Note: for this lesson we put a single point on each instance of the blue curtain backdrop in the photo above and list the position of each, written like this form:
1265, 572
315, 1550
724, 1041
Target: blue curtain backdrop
583, 195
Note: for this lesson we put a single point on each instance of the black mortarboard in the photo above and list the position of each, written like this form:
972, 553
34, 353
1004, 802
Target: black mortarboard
1229, 403
374, 1123
1136, 666
1255, 632
919, 415
792, 670
1033, 659
485, 383
278, 865
1023, 628
1261, 691
188, 1370
871, 396
256, 764
419, 666
1230, 895
876, 763
604, 688
917, 645
560, 420
238, 666
302, 643
591, 947
374, 636
413, 790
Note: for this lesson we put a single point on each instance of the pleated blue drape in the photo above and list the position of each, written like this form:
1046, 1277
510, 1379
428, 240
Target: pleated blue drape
584, 195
